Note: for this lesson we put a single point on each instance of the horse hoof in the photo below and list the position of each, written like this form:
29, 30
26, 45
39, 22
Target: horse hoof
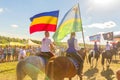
103, 68
95, 66
108, 66
91, 67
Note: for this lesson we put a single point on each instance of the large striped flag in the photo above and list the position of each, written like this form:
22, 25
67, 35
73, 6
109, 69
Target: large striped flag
46, 21
71, 22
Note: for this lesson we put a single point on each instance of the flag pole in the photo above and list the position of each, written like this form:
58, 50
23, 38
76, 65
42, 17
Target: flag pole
83, 37
82, 30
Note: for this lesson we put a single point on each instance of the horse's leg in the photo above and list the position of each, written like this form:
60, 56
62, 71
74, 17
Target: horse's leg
80, 77
20, 70
96, 62
119, 54
58, 78
70, 78
49, 71
109, 62
35, 77
92, 62
103, 62
89, 58
115, 56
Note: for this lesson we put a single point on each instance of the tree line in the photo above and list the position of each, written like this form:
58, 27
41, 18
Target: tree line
4, 39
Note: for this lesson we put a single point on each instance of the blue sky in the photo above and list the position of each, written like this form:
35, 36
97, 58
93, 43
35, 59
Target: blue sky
98, 16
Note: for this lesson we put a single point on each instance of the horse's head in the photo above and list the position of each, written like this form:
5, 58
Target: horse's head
82, 52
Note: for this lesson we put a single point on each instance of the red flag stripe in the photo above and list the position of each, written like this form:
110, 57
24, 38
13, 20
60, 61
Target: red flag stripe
42, 27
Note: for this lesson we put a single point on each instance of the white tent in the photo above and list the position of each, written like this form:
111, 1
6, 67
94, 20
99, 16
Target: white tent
30, 43
16, 44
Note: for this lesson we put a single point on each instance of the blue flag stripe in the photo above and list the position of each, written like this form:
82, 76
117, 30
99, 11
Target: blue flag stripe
51, 13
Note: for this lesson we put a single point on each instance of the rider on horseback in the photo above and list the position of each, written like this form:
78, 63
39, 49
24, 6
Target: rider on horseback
46, 46
95, 48
118, 45
72, 51
108, 48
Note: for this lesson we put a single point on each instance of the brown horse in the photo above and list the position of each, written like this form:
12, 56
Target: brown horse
60, 67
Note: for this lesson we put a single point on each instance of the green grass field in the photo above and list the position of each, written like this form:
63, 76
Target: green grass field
8, 71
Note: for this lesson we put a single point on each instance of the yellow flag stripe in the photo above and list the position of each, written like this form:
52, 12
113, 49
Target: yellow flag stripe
44, 20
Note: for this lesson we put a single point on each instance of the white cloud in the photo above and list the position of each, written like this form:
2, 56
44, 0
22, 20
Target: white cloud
103, 7
14, 26
104, 25
1, 10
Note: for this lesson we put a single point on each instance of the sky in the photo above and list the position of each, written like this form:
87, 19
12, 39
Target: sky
98, 16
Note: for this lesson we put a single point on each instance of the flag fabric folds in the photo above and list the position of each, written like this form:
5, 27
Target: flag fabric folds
108, 36
71, 22
95, 38
46, 21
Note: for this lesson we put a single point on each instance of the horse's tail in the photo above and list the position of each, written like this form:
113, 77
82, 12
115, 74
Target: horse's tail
49, 70
20, 70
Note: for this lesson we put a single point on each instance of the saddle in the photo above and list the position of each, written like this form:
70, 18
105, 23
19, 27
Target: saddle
75, 62
108, 53
46, 56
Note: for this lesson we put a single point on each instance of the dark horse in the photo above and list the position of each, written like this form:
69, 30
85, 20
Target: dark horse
93, 55
108, 56
62, 67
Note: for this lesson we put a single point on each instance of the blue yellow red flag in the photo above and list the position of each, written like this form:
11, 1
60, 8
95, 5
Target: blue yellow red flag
46, 21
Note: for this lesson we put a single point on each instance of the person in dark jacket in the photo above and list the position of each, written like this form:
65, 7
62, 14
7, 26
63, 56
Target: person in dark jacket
72, 51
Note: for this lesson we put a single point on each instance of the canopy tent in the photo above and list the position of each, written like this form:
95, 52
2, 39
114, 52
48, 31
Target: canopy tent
117, 37
31, 43
13, 44
16, 44
113, 42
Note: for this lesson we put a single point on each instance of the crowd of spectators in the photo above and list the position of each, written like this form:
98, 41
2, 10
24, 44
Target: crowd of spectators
15, 53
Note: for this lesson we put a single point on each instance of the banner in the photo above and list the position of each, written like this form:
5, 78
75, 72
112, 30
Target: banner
95, 38
108, 36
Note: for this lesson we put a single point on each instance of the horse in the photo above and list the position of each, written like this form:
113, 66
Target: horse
118, 51
31, 66
93, 55
118, 74
63, 67
108, 56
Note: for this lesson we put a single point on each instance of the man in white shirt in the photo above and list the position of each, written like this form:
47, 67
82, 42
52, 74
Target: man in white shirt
22, 53
107, 46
